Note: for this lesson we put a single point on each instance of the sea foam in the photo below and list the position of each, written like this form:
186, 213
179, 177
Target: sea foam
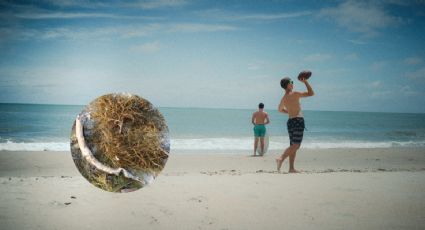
219, 144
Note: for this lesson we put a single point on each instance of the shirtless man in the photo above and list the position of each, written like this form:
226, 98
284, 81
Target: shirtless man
259, 119
290, 104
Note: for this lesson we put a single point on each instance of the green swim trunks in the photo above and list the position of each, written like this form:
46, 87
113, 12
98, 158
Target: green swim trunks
259, 130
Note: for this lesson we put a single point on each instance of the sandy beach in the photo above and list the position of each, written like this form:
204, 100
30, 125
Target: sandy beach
337, 189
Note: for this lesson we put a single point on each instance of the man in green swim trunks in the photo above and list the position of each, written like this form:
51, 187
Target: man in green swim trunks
259, 119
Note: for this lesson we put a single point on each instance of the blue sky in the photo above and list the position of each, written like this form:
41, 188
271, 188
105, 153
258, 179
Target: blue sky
364, 55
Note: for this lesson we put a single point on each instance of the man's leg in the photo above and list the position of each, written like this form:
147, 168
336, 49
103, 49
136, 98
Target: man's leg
279, 160
255, 145
291, 149
288, 152
262, 145
292, 159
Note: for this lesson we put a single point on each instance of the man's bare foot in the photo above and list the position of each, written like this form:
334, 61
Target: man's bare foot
279, 164
293, 171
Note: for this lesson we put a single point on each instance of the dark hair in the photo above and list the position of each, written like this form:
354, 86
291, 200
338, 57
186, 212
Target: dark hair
284, 82
261, 106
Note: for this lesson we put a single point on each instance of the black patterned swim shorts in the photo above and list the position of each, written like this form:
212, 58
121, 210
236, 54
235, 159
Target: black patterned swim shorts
295, 130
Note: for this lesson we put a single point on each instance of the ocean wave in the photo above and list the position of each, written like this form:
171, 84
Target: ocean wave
402, 134
276, 144
219, 144
34, 146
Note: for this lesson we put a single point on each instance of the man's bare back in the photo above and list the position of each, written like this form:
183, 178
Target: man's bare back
259, 117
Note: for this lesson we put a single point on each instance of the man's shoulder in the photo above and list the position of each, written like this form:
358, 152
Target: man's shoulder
297, 93
263, 113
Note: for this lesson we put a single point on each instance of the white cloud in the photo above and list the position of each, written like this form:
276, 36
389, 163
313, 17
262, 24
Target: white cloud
155, 4
65, 15
363, 17
335, 72
236, 16
107, 32
199, 27
76, 3
149, 47
336, 92
403, 2
143, 4
407, 91
7, 33
103, 33
256, 65
317, 57
381, 94
413, 60
376, 84
39, 12
376, 66
137, 30
357, 42
271, 16
253, 66
418, 74
71, 33
351, 57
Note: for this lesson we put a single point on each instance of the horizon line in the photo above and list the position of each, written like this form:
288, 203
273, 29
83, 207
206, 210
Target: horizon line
173, 107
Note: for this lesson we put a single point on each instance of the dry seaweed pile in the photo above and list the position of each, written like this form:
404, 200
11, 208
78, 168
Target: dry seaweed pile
128, 132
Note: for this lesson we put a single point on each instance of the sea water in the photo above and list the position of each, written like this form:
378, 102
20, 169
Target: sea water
29, 127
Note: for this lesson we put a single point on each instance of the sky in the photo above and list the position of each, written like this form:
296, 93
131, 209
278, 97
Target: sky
364, 55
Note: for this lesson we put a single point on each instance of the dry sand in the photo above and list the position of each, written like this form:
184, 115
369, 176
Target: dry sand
338, 189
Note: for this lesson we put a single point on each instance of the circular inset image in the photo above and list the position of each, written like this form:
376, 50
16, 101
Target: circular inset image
120, 142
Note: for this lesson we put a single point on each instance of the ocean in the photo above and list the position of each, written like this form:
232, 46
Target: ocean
30, 127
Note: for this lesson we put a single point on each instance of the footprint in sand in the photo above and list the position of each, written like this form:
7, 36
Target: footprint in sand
154, 220
198, 199
59, 204
56, 203
166, 211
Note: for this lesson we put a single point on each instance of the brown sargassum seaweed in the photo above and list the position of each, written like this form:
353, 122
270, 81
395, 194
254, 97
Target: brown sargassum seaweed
128, 132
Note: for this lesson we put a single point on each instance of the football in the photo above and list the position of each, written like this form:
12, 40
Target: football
306, 74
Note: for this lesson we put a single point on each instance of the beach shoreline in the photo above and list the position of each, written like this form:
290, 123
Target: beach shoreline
338, 189
39, 163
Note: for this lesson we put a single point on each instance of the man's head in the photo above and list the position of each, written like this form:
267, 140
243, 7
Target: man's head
287, 83
261, 106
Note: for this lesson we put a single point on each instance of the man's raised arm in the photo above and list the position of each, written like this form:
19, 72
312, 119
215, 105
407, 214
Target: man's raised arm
310, 91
